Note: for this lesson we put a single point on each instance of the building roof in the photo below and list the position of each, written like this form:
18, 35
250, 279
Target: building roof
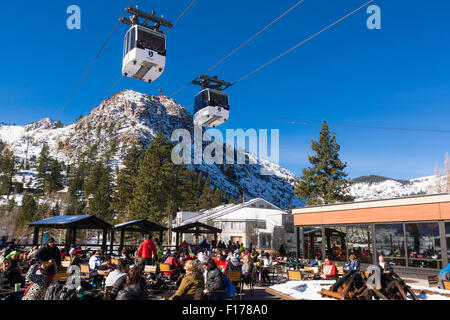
196, 227
226, 209
404, 201
141, 225
73, 222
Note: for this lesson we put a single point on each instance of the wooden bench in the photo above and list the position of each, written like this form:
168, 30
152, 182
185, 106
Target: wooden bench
432, 281
236, 278
446, 285
150, 269
294, 275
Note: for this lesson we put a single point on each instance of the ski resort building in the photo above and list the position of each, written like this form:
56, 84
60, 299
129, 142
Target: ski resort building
413, 233
256, 222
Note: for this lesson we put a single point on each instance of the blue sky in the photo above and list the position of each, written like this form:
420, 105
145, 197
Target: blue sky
394, 77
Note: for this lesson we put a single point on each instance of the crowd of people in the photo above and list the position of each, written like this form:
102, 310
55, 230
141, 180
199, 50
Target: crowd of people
195, 272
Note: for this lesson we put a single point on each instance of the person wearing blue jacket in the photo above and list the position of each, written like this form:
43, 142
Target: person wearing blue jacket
444, 275
352, 264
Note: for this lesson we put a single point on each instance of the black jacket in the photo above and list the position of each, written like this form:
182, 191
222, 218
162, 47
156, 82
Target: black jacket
214, 279
137, 291
10, 277
46, 253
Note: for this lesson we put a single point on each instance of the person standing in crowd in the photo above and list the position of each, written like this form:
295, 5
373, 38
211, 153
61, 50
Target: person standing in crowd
213, 278
49, 252
135, 287
282, 250
159, 249
39, 282
190, 283
444, 275
146, 251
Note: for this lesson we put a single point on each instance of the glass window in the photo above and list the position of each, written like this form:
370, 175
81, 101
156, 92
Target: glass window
336, 247
312, 242
390, 243
151, 40
125, 45
219, 99
266, 240
133, 39
447, 236
424, 245
359, 242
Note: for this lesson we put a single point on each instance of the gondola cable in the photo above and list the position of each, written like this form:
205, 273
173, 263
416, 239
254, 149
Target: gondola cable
121, 77
240, 46
92, 63
301, 43
358, 126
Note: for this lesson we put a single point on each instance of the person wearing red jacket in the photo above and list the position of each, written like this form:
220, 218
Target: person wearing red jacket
146, 250
328, 270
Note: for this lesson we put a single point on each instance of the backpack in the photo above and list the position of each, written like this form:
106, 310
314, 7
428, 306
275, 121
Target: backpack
53, 291
57, 291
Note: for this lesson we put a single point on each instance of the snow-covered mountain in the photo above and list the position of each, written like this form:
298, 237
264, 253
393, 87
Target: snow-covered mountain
128, 117
376, 187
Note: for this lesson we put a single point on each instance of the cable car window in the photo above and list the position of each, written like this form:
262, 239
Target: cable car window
125, 45
133, 38
201, 100
153, 41
218, 99
128, 41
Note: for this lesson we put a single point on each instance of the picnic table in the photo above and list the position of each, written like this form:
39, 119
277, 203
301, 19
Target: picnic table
10, 291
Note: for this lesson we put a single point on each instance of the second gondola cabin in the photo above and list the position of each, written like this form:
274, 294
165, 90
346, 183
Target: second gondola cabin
211, 108
144, 54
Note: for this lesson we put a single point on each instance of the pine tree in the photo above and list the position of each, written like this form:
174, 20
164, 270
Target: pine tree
325, 181
28, 211
7, 171
98, 189
43, 163
126, 181
156, 181
54, 179
232, 200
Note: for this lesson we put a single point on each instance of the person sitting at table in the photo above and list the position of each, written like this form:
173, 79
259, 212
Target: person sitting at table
352, 264
9, 275
316, 262
213, 280
135, 287
96, 260
328, 270
39, 282
190, 283
265, 265
75, 259
49, 252
172, 260
14, 256
247, 269
444, 275
116, 279
107, 264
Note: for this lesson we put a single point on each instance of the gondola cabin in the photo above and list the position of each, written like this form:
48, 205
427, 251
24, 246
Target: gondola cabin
211, 108
144, 54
